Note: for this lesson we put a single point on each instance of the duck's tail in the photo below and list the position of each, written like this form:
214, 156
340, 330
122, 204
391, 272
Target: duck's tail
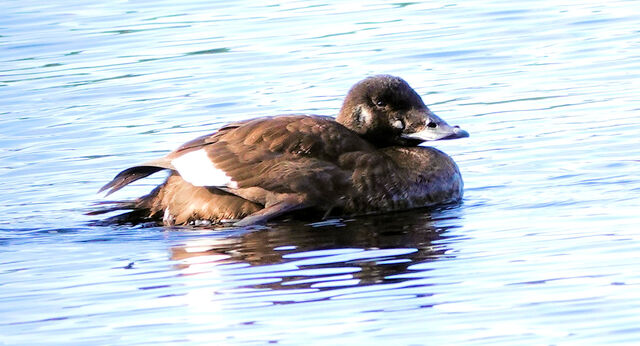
177, 202
134, 211
134, 173
111, 206
128, 176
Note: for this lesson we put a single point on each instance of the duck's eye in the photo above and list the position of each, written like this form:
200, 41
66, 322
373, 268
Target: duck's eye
398, 124
380, 103
432, 125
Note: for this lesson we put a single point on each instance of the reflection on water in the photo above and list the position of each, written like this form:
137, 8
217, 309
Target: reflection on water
328, 254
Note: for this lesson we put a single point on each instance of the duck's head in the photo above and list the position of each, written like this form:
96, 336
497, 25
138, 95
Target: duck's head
386, 111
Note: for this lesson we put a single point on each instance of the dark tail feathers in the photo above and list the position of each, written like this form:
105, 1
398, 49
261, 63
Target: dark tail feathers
128, 176
114, 206
138, 213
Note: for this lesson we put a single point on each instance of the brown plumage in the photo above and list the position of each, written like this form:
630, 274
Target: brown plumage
366, 161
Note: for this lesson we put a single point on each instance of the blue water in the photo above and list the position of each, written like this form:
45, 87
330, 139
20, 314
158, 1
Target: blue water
545, 248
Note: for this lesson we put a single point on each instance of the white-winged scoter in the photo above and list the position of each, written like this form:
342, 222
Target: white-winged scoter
367, 160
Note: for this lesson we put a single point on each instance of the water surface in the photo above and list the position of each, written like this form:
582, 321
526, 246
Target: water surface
544, 248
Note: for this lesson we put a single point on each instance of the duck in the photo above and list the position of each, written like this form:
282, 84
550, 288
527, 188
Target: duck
367, 160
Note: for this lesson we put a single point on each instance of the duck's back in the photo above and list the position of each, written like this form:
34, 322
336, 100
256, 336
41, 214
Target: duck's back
261, 158
290, 162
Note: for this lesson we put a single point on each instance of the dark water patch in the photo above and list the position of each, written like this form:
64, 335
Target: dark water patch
210, 51
404, 4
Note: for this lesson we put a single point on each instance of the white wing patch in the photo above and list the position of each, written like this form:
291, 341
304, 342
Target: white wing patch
196, 168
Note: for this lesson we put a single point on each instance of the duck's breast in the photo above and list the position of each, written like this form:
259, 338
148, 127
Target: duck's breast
397, 178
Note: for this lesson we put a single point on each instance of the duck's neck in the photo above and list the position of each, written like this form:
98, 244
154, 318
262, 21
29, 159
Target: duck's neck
381, 140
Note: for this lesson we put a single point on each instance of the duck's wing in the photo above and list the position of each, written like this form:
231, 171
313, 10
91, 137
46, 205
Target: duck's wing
148, 168
280, 155
270, 160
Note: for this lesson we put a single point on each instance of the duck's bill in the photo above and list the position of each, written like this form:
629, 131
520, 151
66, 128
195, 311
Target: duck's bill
436, 129
440, 133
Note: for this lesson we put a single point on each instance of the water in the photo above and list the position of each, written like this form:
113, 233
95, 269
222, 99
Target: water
544, 249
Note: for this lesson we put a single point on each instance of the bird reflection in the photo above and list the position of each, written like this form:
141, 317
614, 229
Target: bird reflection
362, 251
